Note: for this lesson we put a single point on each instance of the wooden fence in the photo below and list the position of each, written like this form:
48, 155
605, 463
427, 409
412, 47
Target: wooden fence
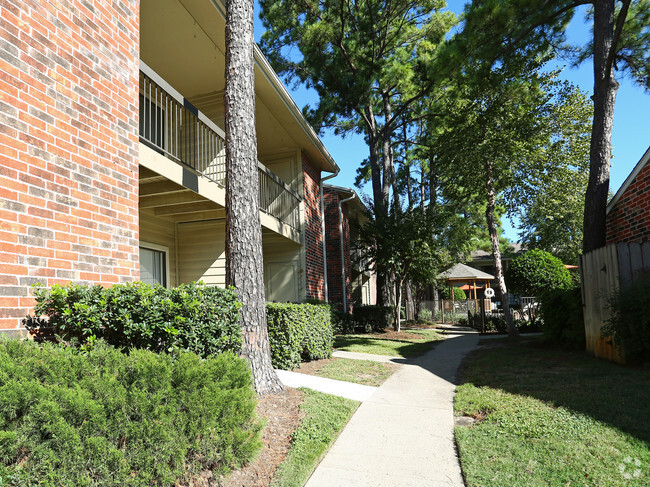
602, 273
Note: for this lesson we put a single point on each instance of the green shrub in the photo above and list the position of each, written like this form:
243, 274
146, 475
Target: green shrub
298, 331
373, 318
425, 314
202, 319
535, 272
459, 294
629, 323
110, 419
563, 318
343, 323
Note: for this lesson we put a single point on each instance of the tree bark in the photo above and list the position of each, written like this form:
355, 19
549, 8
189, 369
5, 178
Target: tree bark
496, 251
605, 88
244, 261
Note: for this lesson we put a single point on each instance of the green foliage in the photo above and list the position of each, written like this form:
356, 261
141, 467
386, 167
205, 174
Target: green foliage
343, 323
629, 323
425, 315
563, 317
202, 319
459, 294
298, 332
537, 271
373, 318
110, 419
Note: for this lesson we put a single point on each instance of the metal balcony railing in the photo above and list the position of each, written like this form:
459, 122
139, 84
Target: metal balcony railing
170, 125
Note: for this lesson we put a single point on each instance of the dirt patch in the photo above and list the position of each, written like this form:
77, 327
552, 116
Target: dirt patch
283, 416
312, 368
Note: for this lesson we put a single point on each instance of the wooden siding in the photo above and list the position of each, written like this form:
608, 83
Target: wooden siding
201, 252
602, 273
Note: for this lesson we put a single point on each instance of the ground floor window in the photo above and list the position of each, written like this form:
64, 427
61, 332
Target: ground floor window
153, 265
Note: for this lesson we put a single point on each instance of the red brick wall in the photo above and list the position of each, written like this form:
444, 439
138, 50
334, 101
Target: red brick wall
313, 231
68, 145
333, 242
629, 219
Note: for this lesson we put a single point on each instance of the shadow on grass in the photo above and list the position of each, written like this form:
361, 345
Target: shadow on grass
607, 392
381, 346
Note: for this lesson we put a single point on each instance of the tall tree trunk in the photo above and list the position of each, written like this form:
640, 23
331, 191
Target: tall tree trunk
380, 203
387, 152
398, 305
605, 88
422, 187
409, 185
244, 264
496, 251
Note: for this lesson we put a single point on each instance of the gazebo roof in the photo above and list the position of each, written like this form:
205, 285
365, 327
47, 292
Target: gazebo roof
461, 272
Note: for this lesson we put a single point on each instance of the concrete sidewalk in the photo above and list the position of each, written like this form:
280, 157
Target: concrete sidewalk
348, 390
402, 435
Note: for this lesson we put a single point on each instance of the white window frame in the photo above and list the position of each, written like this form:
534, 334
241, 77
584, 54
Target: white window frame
165, 251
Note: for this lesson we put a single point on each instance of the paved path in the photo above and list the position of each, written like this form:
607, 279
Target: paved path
402, 435
349, 390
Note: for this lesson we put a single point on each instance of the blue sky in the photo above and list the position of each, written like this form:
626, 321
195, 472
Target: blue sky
630, 139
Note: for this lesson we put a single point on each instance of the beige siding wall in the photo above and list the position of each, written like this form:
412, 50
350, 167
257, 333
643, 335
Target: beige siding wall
160, 231
197, 253
282, 272
201, 252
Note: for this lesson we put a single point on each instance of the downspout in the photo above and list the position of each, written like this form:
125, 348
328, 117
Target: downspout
322, 227
344, 289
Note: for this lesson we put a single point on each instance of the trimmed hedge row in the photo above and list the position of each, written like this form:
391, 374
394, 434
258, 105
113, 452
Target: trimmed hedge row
202, 319
373, 318
106, 418
299, 332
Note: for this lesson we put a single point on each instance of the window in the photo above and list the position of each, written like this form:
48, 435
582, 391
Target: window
153, 265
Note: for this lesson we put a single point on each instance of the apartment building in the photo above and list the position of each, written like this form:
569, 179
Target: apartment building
113, 162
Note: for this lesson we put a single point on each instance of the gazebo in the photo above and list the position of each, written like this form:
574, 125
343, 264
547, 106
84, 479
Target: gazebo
465, 274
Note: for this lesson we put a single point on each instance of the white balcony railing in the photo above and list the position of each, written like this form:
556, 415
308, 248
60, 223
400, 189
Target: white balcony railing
170, 125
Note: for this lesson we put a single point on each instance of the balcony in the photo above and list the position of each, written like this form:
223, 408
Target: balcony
172, 126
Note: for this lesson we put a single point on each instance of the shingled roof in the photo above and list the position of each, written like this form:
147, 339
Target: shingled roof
461, 272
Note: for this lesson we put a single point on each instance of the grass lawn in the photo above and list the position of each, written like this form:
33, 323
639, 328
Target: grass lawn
373, 343
550, 417
325, 417
364, 372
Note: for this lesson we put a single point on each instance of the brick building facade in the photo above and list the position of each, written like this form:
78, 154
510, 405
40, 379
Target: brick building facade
81, 196
335, 262
69, 147
313, 231
628, 213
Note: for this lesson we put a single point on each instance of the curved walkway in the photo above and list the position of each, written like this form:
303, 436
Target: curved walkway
402, 435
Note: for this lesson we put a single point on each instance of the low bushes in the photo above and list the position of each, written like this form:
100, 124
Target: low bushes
563, 318
106, 418
373, 318
299, 332
203, 319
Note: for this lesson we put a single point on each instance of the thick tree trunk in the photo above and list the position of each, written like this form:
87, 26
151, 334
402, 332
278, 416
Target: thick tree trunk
380, 204
496, 251
244, 265
605, 88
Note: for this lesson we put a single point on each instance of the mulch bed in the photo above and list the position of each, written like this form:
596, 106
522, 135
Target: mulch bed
283, 416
